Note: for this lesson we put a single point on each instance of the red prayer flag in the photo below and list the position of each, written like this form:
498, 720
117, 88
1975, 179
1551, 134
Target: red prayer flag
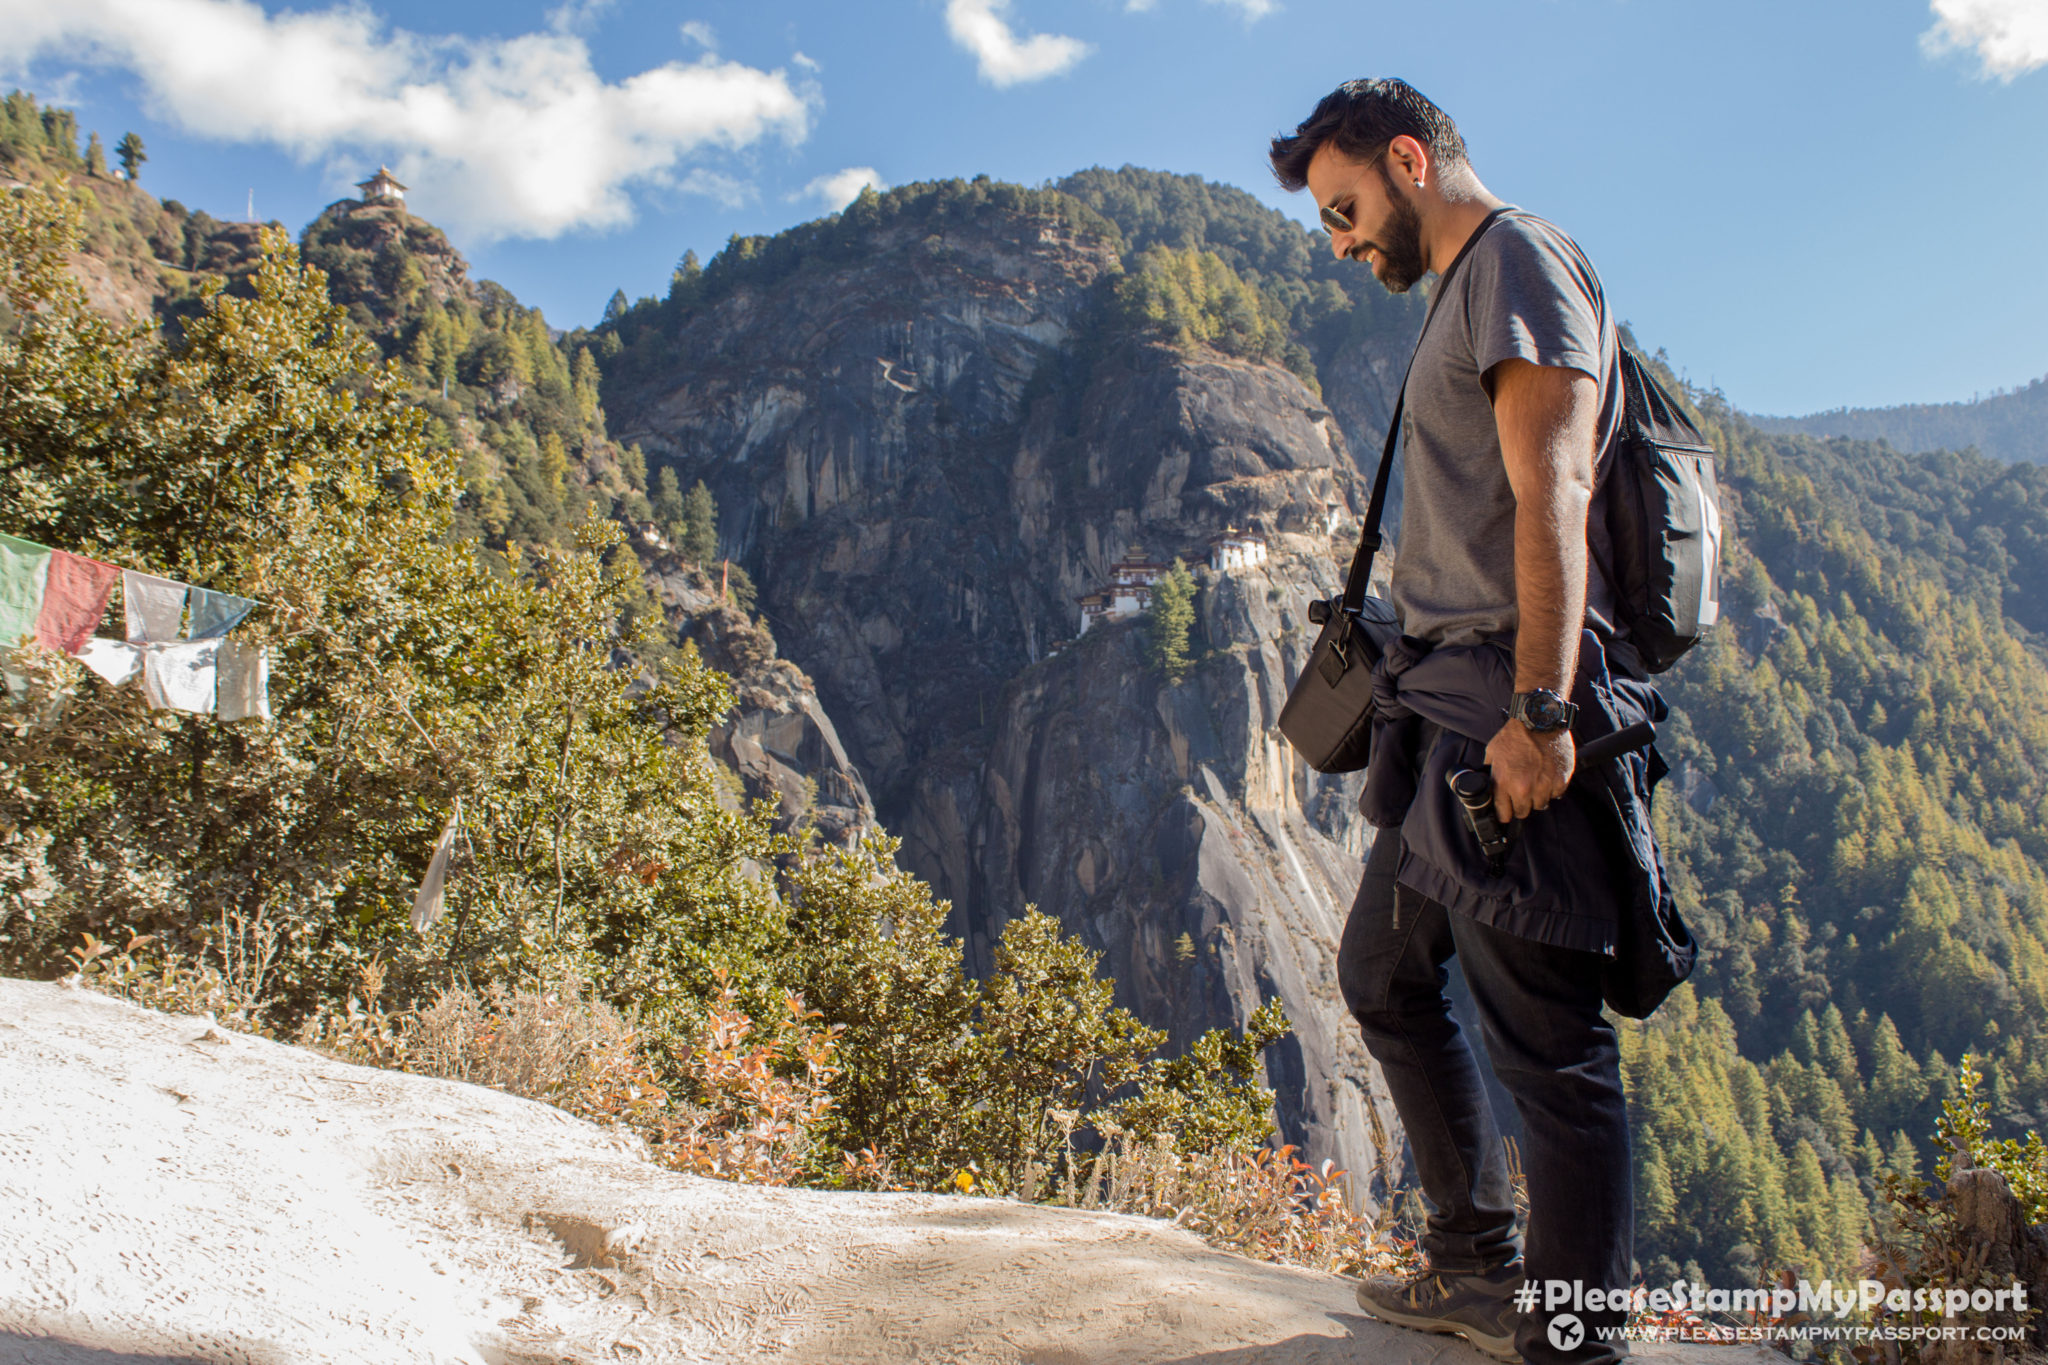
74, 601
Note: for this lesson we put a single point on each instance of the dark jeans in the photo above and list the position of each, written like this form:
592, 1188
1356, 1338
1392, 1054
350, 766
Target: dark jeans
1553, 1050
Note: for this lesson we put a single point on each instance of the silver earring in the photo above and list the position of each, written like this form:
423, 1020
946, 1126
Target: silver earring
1418, 184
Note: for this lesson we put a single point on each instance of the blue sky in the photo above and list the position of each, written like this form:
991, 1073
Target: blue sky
1832, 203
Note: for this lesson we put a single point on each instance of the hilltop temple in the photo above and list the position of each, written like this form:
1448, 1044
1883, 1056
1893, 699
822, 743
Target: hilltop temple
382, 188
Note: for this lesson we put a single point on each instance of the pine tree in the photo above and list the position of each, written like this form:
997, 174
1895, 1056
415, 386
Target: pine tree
615, 307
633, 464
95, 157
1896, 1088
1806, 1038
1903, 1159
700, 525
668, 503
129, 149
1655, 1200
1837, 1053
584, 381
554, 464
685, 280
1170, 616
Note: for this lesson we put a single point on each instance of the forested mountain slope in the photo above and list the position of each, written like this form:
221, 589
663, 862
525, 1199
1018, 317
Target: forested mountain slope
2009, 426
1866, 751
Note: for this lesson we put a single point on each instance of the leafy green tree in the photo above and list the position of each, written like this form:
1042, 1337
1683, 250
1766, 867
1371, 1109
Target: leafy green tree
1168, 620
270, 456
129, 149
95, 156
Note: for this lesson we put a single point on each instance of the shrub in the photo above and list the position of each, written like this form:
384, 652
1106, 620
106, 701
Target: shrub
1983, 1230
757, 1105
944, 1075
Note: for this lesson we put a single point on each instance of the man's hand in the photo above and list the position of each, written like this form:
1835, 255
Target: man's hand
1530, 770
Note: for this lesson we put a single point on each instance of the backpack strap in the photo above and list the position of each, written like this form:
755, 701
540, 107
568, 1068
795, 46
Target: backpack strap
1369, 538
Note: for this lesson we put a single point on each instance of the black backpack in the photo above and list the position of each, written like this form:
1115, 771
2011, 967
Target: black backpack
1664, 522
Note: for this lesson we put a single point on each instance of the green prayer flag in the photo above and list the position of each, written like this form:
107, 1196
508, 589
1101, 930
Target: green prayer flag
24, 572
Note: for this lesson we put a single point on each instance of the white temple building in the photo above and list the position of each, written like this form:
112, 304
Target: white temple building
1128, 592
382, 188
1236, 549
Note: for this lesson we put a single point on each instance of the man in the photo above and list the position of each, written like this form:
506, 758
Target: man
1514, 392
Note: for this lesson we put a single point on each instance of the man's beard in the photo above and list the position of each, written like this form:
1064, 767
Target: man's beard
1400, 249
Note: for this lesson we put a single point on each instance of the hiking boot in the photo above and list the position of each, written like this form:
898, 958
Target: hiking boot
1479, 1308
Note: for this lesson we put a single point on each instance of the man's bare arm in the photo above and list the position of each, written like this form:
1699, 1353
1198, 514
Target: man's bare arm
1546, 417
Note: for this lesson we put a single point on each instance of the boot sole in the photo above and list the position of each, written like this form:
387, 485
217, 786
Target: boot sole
1500, 1348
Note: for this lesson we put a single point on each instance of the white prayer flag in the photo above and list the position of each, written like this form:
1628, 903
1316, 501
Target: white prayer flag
243, 682
180, 677
155, 607
115, 660
427, 906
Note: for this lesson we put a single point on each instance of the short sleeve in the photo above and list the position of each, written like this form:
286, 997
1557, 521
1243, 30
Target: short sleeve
1533, 297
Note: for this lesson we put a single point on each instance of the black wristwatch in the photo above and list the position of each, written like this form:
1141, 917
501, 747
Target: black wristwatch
1542, 710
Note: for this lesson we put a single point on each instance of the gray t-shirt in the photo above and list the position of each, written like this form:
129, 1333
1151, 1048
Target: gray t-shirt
1525, 290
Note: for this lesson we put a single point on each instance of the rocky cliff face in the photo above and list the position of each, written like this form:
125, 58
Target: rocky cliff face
778, 741
925, 451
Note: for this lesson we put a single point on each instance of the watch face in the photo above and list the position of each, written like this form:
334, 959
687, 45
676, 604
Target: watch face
1544, 710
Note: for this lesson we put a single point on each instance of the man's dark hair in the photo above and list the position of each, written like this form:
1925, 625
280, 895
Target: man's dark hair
1361, 117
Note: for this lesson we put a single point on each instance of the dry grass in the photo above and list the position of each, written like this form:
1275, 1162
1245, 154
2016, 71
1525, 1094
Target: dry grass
170, 984
1266, 1203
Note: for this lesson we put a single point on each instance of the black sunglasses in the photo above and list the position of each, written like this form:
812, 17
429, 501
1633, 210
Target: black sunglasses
1335, 222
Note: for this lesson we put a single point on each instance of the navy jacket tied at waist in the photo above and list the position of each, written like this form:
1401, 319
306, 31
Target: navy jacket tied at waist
1573, 869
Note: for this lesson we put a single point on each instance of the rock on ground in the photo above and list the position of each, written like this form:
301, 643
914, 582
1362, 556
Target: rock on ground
170, 1192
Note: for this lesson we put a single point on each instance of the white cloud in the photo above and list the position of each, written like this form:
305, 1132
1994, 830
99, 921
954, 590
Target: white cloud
573, 16
499, 137
712, 185
1250, 9
1004, 58
841, 188
702, 34
2010, 37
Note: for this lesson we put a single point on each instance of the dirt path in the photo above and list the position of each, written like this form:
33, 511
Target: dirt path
172, 1192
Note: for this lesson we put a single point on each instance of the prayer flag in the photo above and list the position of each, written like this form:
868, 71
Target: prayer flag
155, 607
24, 575
243, 682
74, 600
215, 613
180, 677
428, 904
115, 660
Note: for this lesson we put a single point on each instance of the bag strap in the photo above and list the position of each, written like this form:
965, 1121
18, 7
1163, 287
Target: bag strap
1369, 538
